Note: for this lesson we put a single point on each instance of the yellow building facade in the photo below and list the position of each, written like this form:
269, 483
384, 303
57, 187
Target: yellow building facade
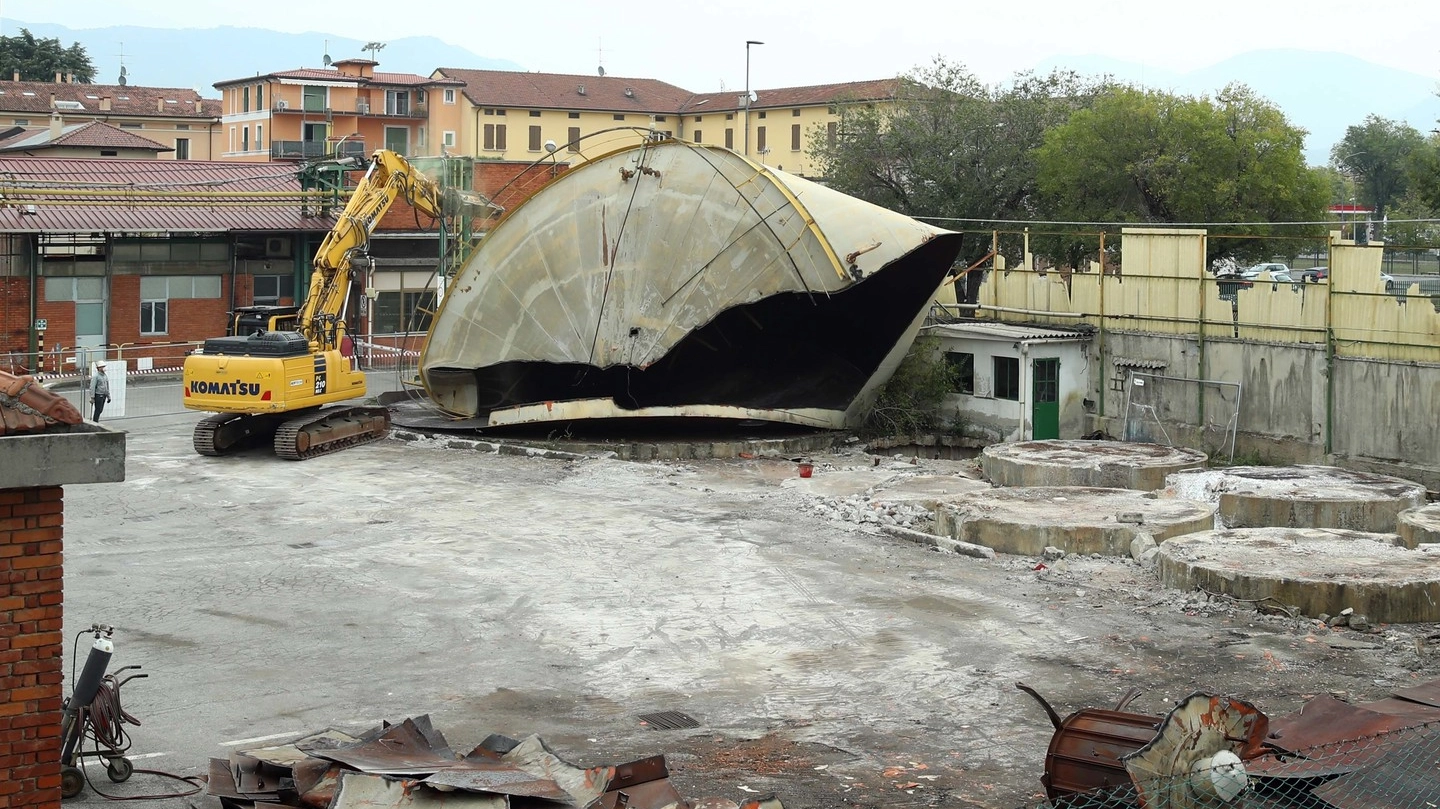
174, 117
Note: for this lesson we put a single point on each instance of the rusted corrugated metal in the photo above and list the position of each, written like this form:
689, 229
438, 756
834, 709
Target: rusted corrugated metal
104, 195
411, 765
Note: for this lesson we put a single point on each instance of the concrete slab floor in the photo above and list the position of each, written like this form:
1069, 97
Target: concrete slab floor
523, 595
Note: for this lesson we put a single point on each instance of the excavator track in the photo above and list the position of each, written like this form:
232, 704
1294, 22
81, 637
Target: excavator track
226, 433
330, 430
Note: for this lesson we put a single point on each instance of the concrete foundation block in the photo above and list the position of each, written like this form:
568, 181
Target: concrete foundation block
1321, 571
1025, 520
1111, 464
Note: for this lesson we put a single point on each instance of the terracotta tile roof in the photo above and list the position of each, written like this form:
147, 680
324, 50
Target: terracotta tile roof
333, 75
510, 88
170, 102
27, 208
808, 96
90, 135
28, 406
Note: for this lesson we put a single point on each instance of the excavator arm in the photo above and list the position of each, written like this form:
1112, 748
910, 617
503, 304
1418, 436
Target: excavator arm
389, 177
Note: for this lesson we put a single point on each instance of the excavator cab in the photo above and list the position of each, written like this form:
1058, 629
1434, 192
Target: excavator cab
247, 320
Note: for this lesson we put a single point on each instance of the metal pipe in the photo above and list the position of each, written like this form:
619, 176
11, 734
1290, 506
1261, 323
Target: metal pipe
748, 43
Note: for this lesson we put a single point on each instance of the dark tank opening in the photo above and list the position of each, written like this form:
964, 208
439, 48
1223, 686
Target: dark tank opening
792, 350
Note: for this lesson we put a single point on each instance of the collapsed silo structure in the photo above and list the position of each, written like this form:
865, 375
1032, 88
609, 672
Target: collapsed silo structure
672, 280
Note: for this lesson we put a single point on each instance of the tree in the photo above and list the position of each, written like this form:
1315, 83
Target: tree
1147, 156
949, 147
40, 59
1423, 173
1377, 153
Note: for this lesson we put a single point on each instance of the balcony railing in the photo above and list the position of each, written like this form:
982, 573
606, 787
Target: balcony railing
309, 150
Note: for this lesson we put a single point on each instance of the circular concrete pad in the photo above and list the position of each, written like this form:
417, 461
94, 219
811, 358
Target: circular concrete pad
1113, 464
1026, 519
1419, 526
1301, 496
1318, 570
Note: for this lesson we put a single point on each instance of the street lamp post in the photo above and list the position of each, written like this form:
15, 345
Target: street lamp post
748, 43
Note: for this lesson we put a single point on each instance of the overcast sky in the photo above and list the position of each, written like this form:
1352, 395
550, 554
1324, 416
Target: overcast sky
700, 44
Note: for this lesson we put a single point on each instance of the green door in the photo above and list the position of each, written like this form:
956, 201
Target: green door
1045, 415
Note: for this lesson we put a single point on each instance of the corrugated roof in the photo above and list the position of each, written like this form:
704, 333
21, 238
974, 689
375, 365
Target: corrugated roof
511, 88
25, 181
808, 96
1006, 331
89, 135
170, 102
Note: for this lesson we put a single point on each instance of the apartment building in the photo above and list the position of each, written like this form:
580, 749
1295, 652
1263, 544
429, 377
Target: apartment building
180, 120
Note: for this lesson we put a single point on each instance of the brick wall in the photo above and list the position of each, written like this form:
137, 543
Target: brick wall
31, 646
188, 318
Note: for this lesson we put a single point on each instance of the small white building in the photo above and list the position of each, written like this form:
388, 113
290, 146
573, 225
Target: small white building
1015, 383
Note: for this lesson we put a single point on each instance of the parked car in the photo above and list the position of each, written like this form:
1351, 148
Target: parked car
1315, 274
1281, 277
1271, 267
1389, 281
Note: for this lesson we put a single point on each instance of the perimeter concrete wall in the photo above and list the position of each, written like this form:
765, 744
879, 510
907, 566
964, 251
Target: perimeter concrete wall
1373, 420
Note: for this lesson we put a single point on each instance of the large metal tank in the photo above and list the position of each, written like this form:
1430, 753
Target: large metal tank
676, 280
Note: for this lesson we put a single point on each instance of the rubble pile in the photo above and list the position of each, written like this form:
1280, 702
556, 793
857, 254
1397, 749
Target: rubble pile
860, 509
411, 765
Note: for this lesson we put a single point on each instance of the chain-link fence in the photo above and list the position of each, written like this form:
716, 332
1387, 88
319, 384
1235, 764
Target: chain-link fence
1396, 769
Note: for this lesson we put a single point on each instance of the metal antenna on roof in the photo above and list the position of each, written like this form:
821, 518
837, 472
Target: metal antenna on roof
326, 57
600, 55
374, 48
122, 65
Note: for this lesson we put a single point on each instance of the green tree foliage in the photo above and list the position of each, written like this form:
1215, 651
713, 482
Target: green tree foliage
1378, 154
1423, 173
910, 402
1147, 156
41, 59
949, 146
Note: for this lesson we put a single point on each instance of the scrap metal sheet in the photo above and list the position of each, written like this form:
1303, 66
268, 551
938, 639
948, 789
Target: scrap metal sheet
496, 777
364, 791
409, 748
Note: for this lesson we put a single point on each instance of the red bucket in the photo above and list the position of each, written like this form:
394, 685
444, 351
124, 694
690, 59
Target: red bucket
806, 469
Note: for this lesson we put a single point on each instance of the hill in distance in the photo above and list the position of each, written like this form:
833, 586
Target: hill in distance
198, 57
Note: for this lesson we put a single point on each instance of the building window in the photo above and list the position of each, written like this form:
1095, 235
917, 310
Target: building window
274, 290
184, 127
534, 113
397, 102
448, 138
245, 139
156, 292
1007, 378
403, 311
729, 116
182, 148
762, 115
132, 126
489, 111
495, 137
619, 116
259, 96
759, 138
259, 137
794, 137
697, 136
245, 99
795, 112
962, 366
832, 130
449, 95
729, 139
315, 98
697, 119
574, 115
660, 118
22, 121
534, 139
573, 135
109, 153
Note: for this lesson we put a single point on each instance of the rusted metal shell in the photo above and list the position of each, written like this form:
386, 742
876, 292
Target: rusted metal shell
672, 280
1086, 751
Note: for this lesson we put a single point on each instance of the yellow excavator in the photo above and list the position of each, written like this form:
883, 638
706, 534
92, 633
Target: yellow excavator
272, 376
